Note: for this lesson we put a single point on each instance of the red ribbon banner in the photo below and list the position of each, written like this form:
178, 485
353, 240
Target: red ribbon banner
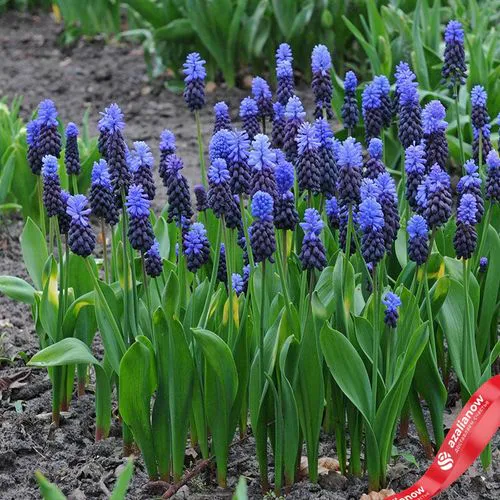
470, 433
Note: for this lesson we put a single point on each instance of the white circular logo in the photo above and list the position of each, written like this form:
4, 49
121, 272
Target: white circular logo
445, 461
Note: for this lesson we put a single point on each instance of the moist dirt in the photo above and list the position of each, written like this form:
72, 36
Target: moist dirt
88, 76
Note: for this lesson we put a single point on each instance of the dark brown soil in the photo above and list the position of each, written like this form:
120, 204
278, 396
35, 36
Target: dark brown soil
93, 74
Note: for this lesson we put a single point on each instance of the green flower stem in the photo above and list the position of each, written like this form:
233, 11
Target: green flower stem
147, 292
429, 316
182, 272
247, 236
229, 269
104, 250
114, 256
347, 247
264, 125
74, 183
158, 291
484, 235
127, 327
281, 259
200, 149
459, 128
213, 278
376, 338
480, 152
261, 327
41, 208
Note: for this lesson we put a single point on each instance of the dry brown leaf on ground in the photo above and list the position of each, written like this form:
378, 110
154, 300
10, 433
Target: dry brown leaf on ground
377, 495
325, 465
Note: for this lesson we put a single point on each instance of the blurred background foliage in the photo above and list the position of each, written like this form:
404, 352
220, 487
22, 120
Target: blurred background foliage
238, 37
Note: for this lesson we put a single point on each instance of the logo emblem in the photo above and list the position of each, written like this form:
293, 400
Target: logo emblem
445, 461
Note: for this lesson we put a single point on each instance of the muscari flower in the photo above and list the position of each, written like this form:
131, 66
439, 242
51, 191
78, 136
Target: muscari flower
381, 83
493, 177
284, 53
237, 162
102, 202
286, 86
33, 154
71, 155
220, 198
294, 116
238, 283
410, 114
465, 239
81, 238
418, 239
196, 247
49, 139
178, 197
483, 264
249, 113
200, 194
51, 186
391, 302
434, 197
332, 212
262, 239
116, 151
142, 168
369, 189
262, 160
328, 165
321, 65
350, 111
454, 70
63, 218
222, 119
219, 145
415, 172
370, 219
471, 183
434, 127
167, 148
285, 212
279, 122
308, 163
372, 111
402, 74
263, 97
350, 163
194, 90
388, 200
153, 263
222, 269
480, 123
140, 230
374, 165
312, 254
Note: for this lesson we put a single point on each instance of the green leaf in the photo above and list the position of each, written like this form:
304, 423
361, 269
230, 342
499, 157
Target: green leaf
68, 351
17, 289
123, 481
49, 304
344, 361
48, 490
137, 384
241, 492
34, 251
180, 369
221, 383
176, 30
310, 403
